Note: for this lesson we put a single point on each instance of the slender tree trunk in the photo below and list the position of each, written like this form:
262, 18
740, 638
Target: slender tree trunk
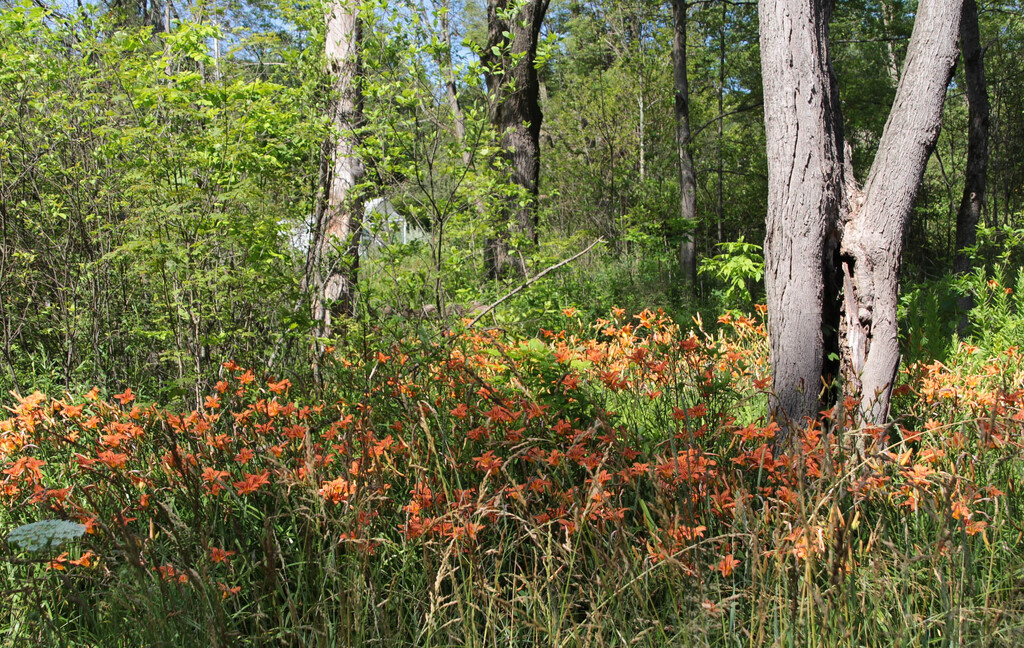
167, 30
973, 201
832, 252
641, 132
687, 174
720, 91
452, 92
333, 261
450, 83
992, 217
514, 106
216, 57
873, 239
889, 9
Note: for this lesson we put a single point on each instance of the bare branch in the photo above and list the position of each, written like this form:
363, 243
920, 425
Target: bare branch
531, 280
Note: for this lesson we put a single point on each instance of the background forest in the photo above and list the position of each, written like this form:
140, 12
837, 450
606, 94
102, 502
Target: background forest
458, 459
158, 185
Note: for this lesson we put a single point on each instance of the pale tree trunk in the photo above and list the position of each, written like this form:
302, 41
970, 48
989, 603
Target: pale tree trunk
832, 252
514, 105
805, 195
973, 200
889, 10
450, 82
167, 30
333, 260
687, 175
873, 239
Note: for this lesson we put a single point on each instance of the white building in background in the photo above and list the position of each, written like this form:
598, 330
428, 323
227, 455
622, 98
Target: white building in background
383, 225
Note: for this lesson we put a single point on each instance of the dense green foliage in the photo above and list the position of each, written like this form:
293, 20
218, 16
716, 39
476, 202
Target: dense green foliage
160, 167
157, 185
143, 206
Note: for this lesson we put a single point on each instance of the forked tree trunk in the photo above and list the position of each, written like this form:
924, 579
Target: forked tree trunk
687, 175
514, 106
832, 252
873, 238
333, 261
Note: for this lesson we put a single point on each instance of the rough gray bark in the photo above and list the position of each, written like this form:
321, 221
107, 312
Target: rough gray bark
514, 109
873, 237
973, 200
333, 261
805, 195
687, 175
832, 252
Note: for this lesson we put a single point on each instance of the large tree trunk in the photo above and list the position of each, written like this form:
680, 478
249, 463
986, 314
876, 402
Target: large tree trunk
820, 224
973, 199
803, 130
687, 175
514, 94
333, 260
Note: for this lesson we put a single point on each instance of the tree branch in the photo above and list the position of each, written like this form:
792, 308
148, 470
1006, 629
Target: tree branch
531, 280
728, 113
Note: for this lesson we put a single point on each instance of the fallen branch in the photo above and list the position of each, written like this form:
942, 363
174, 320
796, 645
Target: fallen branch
532, 279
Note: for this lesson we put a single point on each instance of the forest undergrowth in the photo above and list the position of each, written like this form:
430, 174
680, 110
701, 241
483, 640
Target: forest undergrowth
607, 483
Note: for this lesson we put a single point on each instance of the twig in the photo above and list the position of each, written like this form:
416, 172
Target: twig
533, 279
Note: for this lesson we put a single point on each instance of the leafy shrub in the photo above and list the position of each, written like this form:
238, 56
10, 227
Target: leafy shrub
739, 267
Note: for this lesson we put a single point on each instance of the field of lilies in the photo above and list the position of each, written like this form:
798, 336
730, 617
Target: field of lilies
609, 483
